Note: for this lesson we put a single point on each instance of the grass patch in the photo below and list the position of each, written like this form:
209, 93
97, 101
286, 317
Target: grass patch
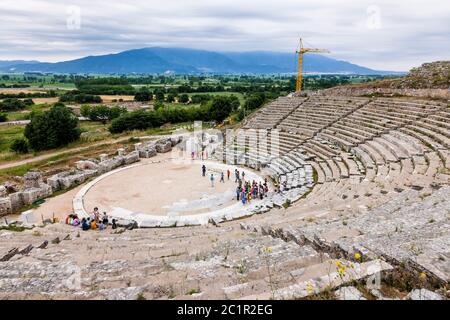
8, 134
193, 291
13, 227
287, 204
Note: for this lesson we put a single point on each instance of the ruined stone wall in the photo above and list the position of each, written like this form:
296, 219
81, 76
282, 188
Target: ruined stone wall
34, 187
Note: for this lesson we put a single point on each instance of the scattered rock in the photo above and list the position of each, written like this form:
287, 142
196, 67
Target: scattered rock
43, 245
423, 294
26, 250
349, 293
11, 253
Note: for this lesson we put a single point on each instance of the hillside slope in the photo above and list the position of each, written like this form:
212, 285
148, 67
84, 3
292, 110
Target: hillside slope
191, 61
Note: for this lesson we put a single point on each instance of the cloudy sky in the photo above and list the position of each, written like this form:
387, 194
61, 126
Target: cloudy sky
386, 35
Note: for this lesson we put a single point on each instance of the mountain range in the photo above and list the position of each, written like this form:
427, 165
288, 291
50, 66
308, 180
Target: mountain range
190, 61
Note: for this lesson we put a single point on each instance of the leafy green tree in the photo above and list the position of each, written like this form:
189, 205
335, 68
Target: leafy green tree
255, 101
99, 113
171, 98
159, 94
184, 98
51, 129
220, 107
143, 95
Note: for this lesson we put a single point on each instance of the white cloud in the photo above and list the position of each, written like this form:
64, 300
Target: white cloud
390, 35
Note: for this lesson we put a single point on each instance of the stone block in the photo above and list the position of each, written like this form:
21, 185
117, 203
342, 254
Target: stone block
55, 181
423, 294
32, 179
30, 195
5, 206
131, 157
27, 216
175, 140
150, 152
76, 179
46, 190
16, 201
86, 165
3, 191
349, 293
110, 164
163, 147
137, 146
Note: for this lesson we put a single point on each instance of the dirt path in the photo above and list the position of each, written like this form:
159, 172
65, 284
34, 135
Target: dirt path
57, 153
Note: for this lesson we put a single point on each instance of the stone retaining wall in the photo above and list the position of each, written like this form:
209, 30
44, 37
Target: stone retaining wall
388, 92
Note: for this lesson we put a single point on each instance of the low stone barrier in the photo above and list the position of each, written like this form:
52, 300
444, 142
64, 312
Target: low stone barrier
232, 212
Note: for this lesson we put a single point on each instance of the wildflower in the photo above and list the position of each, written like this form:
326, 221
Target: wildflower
423, 275
358, 256
268, 249
338, 263
309, 288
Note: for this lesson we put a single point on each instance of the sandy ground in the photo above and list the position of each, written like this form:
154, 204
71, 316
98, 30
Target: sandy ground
163, 188
45, 100
18, 90
59, 206
109, 98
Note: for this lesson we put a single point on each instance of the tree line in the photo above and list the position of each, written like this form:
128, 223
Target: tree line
218, 109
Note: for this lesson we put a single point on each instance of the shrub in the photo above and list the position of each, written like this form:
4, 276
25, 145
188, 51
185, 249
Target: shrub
104, 85
158, 105
216, 110
136, 120
85, 110
184, 98
159, 94
171, 97
255, 101
116, 111
51, 129
14, 104
20, 145
200, 98
77, 97
101, 112
3, 117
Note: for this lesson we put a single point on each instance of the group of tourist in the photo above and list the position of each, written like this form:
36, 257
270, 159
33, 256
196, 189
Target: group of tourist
246, 191
95, 221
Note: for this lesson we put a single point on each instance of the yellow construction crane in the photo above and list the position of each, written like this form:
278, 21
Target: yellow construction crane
300, 52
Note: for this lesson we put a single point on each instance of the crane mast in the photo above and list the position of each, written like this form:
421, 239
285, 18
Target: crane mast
302, 50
